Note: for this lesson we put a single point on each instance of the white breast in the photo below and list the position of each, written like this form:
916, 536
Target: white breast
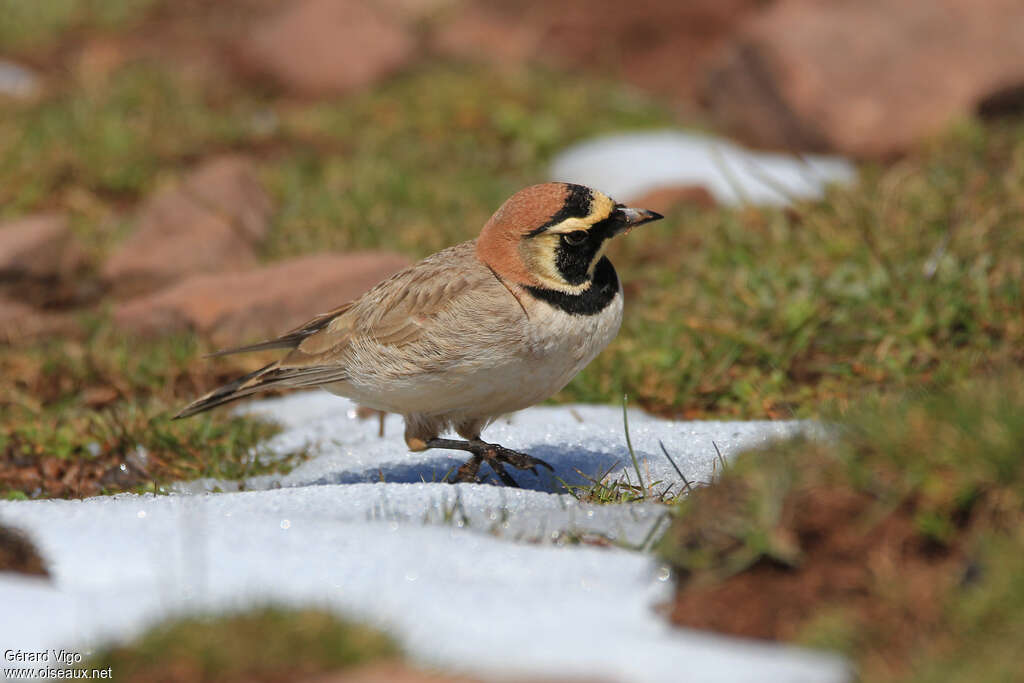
558, 346
561, 340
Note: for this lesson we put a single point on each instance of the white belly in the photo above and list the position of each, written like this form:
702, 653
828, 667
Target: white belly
547, 351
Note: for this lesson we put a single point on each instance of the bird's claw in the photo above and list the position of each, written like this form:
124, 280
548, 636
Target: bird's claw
521, 461
496, 456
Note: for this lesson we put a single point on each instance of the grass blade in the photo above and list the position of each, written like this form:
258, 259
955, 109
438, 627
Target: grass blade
629, 445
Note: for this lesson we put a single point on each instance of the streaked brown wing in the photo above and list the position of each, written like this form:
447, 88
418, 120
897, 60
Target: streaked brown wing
396, 313
401, 311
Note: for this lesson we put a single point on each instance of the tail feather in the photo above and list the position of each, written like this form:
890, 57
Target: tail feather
239, 388
304, 372
268, 377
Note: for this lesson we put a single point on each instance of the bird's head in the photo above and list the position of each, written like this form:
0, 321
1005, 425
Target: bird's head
552, 235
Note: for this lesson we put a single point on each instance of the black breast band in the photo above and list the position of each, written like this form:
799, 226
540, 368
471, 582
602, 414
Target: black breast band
602, 291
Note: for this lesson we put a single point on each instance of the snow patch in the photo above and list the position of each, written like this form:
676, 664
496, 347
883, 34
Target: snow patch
629, 165
473, 578
17, 81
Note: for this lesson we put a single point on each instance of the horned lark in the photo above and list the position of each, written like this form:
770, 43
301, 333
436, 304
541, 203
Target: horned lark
480, 329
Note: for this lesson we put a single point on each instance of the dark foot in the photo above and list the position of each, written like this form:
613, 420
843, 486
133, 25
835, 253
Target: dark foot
496, 456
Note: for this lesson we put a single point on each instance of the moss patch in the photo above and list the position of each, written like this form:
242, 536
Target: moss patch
895, 541
268, 645
90, 413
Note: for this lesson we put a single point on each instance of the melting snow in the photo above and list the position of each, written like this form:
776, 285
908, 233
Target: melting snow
17, 81
629, 165
473, 578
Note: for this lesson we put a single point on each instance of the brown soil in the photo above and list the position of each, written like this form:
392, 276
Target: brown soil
17, 554
52, 477
880, 573
388, 672
115, 465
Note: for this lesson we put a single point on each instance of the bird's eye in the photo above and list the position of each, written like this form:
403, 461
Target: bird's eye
575, 238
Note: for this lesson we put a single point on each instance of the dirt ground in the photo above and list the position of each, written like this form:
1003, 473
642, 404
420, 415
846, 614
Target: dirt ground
847, 558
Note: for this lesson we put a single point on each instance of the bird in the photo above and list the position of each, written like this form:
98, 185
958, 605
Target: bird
473, 332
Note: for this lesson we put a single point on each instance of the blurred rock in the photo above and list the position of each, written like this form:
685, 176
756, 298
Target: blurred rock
211, 222
97, 59
327, 47
631, 165
259, 303
19, 554
869, 78
14, 317
417, 10
228, 185
401, 672
18, 81
19, 320
481, 33
397, 672
39, 247
12, 312
656, 44
664, 199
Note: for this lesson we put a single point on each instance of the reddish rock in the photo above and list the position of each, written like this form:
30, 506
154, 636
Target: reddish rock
19, 320
656, 44
866, 78
327, 47
259, 303
13, 316
228, 186
664, 199
390, 672
417, 10
481, 33
211, 222
400, 672
40, 247
97, 59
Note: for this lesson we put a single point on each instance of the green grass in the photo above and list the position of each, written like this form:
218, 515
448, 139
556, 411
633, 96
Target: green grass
983, 642
94, 147
936, 482
908, 279
911, 277
415, 165
604, 489
907, 283
33, 26
104, 400
269, 644
421, 162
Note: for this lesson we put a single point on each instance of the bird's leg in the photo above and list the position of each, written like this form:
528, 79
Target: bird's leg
469, 469
496, 456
